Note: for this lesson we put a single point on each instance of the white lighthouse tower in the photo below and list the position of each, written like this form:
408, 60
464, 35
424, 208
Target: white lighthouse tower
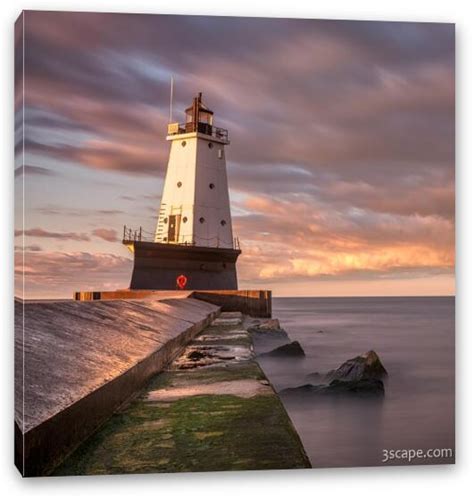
193, 246
195, 206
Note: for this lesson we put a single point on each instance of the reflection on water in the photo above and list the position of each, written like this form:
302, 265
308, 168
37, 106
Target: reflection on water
414, 338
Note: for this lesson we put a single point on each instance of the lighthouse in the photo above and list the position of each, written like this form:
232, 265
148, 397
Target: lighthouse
193, 246
195, 205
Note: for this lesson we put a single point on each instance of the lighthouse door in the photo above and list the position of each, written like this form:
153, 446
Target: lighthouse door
173, 227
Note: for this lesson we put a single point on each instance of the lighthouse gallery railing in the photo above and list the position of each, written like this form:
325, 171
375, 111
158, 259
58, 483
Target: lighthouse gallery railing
130, 235
204, 128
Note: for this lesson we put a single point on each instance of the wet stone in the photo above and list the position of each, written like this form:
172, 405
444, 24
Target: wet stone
228, 319
292, 349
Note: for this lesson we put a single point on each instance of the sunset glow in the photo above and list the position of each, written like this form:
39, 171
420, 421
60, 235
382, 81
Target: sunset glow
341, 162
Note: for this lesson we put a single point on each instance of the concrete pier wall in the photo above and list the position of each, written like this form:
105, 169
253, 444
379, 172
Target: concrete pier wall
77, 362
256, 303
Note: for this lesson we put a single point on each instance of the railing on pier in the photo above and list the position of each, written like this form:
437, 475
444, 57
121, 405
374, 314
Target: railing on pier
140, 235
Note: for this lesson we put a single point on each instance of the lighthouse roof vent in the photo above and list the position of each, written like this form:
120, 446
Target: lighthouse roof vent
197, 102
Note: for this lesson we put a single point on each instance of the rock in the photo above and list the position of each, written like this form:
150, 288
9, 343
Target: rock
272, 323
359, 376
304, 389
362, 387
293, 349
320, 332
269, 328
359, 388
316, 377
366, 366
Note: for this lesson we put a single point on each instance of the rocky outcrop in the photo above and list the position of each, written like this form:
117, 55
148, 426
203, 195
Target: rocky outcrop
359, 376
366, 366
292, 349
360, 388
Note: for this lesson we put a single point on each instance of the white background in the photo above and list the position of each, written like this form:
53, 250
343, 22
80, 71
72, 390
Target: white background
382, 482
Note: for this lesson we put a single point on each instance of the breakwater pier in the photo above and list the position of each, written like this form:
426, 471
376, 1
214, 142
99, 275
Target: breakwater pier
212, 409
153, 384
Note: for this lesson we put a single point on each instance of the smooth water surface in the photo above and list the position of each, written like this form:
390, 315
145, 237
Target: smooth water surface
414, 338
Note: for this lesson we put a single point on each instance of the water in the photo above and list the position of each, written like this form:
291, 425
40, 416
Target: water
414, 338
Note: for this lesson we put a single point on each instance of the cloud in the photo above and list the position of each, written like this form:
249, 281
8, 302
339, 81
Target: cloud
107, 234
304, 92
58, 210
33, 170
60, 273
30, 248
40, 232
341, 161
105, 155
299, 239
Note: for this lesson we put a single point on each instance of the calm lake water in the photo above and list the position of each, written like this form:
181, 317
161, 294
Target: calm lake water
414, 338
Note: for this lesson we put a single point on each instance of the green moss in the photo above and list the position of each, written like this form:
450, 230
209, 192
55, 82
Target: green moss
241, 434
233, 371
196, 433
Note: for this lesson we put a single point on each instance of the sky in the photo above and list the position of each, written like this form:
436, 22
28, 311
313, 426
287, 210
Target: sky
341, 162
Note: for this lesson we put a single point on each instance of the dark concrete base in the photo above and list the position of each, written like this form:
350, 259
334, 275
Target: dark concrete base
157, 266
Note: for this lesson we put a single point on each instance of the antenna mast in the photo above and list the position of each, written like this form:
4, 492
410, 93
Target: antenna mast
171, 100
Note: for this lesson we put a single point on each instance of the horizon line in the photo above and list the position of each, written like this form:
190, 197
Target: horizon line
370, 296
273, 297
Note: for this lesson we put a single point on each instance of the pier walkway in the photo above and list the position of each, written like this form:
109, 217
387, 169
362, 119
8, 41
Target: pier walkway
212, 409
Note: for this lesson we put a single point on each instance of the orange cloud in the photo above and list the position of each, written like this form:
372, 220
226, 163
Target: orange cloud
298, 240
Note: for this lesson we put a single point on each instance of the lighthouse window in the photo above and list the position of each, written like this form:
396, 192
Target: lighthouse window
220, 153
210, 145
185, 219
179, 184
165, 220
183, 143
211, 186
223, 223
201, 220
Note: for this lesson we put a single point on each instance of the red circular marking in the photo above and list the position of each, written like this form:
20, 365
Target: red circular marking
182, 281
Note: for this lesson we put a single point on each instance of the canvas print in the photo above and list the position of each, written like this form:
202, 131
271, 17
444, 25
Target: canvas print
234, 243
